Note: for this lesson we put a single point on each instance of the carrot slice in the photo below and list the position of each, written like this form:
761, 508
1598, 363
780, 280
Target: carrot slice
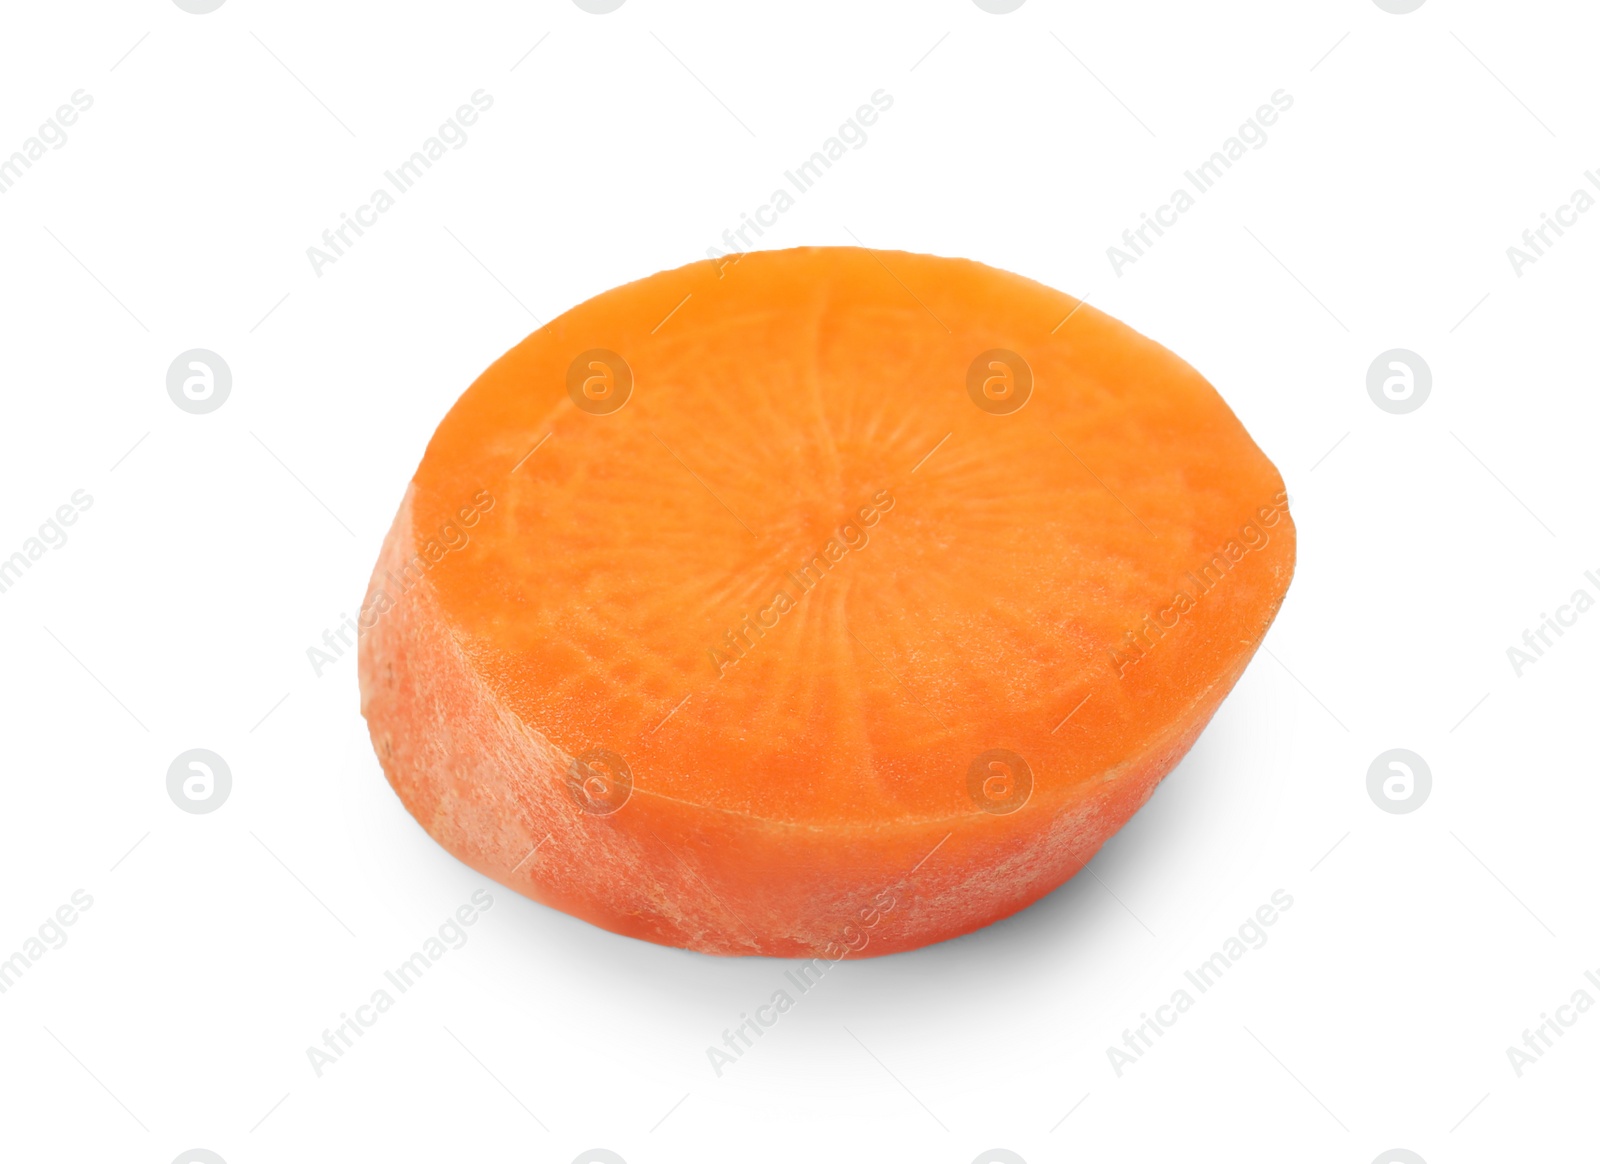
822, 603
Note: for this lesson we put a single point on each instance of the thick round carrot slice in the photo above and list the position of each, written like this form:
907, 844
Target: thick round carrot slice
821, 603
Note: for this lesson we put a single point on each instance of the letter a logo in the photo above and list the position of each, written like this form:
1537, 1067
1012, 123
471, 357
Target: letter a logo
599, 381
999, 381
599, 386
1002, 384
1402, 384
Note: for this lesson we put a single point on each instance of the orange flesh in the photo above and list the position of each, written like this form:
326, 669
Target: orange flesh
988, 580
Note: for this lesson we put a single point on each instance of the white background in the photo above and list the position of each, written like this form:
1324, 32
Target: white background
216, 551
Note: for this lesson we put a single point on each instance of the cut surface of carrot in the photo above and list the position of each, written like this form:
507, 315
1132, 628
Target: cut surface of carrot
814, 603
